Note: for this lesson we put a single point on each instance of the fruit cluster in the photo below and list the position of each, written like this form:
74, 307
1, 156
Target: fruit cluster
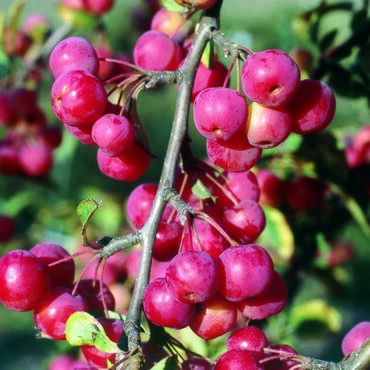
80, 101
42, 280
280, 104
29, 141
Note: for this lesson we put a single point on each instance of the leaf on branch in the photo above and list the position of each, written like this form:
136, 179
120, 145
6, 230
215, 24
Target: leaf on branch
201, 191
208, 55
167, 363
83, 328
173, 6
85, 211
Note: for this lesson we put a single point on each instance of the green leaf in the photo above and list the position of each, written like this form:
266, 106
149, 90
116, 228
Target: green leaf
314, 317
167, 363
208, 55
85, 211
77, 18
173, 6
277, 236
83, 328
324, 249
201, 191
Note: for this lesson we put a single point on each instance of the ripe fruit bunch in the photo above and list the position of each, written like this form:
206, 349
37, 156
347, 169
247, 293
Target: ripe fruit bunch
80, 101
29, 141
280, 103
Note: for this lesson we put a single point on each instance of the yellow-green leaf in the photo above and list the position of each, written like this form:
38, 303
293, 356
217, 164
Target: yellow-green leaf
173, 6
84, 329
85, 211
167, 363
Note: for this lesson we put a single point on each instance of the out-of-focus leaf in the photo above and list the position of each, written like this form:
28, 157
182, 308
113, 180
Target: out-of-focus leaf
358, 19
85, 211
77, 18
167, 363
314, 318
277, 237
327, 41
324, 251
173, 6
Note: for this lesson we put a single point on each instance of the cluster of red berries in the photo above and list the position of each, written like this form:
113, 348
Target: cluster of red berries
29, 141
280, 104
80, 101
42, 280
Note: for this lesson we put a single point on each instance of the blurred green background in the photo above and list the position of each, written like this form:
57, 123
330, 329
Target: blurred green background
45, 210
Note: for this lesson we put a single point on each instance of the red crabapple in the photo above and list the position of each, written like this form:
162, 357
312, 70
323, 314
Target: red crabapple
244, 221
114, 134
268, 303
273, 188
192, 277
245, 271
250, 338
173, 24
214, 318
232, 159
162, 309
127, 166
155, 51
78, 98
270, 77
73, 53
62, 273
356, 337
219, 112
82, 133
312, 106
237, 359
53, 311
24, 281
267, 127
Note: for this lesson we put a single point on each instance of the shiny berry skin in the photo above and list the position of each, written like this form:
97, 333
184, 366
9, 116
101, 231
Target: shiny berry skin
24, 281
73, 53
356, 337
78, 98
162, 309
113, 134
312, 107
127, 166
267, 127
63, 273
244, 221
219, 113
192, 277
270, 77
269, 302
250, 338
233, 160
214, 318
53, 312
245, 271
237, 359
113, 329
155, 51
